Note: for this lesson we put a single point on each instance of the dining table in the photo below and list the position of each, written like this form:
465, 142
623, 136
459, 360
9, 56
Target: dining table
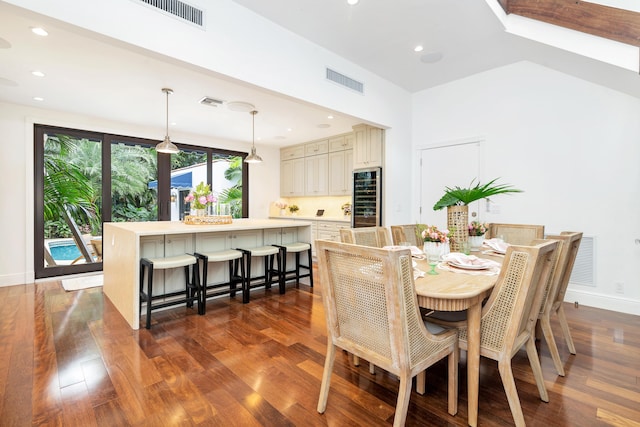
459, 289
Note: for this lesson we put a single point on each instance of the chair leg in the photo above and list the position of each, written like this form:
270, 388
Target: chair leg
509, 384
282, 271
233, 274
565, 329
310, 266
404, 394
326, 377
545, 325
534, 361
247, 283
452, 386
149, 294
297, 268
189, 289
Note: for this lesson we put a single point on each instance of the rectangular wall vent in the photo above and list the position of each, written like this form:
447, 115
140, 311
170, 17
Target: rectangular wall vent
178, 9
212, 102
345, 81
584, 268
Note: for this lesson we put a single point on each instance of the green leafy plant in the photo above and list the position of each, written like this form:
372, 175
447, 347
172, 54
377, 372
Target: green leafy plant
294, 208
463, 196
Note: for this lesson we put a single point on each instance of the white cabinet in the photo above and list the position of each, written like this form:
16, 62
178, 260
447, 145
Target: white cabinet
330, 230
293, 152
292, 178
342, 142
340, 173
316, 147
368, 146
279, 236
316, 175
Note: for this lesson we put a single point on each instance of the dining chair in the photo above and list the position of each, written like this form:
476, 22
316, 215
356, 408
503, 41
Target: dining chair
406, 233
376, 237
371, 311
508, 317
516, 234
554, 295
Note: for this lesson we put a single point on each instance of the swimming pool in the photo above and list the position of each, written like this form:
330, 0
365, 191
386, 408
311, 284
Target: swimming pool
64, 250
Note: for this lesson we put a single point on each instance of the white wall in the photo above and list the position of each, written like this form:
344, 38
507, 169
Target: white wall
16, 177
572, 146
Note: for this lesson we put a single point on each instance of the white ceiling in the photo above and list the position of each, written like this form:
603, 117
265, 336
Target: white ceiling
88, 74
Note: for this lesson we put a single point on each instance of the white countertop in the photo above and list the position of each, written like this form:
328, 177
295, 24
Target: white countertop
150, 228
313, 218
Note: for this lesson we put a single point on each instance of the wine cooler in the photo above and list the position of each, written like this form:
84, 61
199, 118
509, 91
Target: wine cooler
367, 198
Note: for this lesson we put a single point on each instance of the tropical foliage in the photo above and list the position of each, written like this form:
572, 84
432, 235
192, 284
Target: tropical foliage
464, 196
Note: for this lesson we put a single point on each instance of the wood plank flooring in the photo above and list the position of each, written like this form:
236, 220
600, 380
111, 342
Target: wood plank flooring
69, 359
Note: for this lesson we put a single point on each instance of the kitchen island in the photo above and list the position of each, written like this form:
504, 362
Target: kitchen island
124, 243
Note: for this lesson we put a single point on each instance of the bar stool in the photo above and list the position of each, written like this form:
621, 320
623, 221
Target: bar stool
269, 253
192, 287
234, 257
297, 248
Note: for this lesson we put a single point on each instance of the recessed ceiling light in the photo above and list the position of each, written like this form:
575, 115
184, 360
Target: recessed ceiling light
353, 2
432, 57
39, 31
240, 106
418, 48
37, 98
289, 130
329, 117
38, 73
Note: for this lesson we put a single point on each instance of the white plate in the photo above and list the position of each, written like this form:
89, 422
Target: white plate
467, 266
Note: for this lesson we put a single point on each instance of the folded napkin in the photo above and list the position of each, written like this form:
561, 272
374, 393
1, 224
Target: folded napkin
497, 245
415, 251
469, 260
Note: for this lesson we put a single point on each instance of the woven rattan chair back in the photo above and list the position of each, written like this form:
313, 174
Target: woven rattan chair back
406, 233
372, 311
516, 234
509, 316
376, 237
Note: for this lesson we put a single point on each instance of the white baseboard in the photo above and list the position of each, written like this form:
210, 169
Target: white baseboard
606, 302
14, 279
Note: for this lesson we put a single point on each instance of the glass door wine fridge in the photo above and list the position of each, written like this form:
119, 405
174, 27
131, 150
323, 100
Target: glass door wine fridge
367, 198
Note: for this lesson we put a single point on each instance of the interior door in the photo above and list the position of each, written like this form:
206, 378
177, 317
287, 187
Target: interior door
457, 164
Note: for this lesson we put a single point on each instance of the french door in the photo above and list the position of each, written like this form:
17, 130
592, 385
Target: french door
84, 178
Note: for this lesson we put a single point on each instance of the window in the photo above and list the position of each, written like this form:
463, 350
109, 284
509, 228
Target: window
74, 169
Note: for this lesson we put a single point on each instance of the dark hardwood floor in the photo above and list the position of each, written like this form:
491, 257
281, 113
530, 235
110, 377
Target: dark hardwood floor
69, 359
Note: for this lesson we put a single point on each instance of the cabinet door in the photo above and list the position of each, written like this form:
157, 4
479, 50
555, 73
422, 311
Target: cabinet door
368, 147
337, 174
316, 181
292, 178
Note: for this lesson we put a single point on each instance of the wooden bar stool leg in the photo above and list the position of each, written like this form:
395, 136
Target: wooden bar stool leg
310, 266
247, 283
149, 294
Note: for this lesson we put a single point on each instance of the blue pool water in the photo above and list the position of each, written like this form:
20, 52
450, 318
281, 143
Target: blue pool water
64, 251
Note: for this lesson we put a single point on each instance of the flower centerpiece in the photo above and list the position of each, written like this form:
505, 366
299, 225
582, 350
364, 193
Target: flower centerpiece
457, 201
436, 243
282, 205
294, 209
477, 231
200, 198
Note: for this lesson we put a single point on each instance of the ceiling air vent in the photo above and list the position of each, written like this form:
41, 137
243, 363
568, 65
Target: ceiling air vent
178, 9
211, 102
345, 81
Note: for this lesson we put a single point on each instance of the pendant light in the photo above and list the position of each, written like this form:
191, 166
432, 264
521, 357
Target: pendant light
167, 146
253, 157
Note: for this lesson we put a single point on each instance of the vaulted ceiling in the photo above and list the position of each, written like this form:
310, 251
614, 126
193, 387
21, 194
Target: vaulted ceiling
459, 38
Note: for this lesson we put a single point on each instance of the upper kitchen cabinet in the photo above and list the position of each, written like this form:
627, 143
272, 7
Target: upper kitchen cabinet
316, 175
340, 165
368, 146
292, 177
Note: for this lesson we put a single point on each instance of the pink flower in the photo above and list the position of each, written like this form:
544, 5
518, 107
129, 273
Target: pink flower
189, 198
202, 200
211, 198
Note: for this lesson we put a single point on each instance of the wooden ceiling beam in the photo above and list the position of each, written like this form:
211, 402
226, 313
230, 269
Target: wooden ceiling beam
603, 21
